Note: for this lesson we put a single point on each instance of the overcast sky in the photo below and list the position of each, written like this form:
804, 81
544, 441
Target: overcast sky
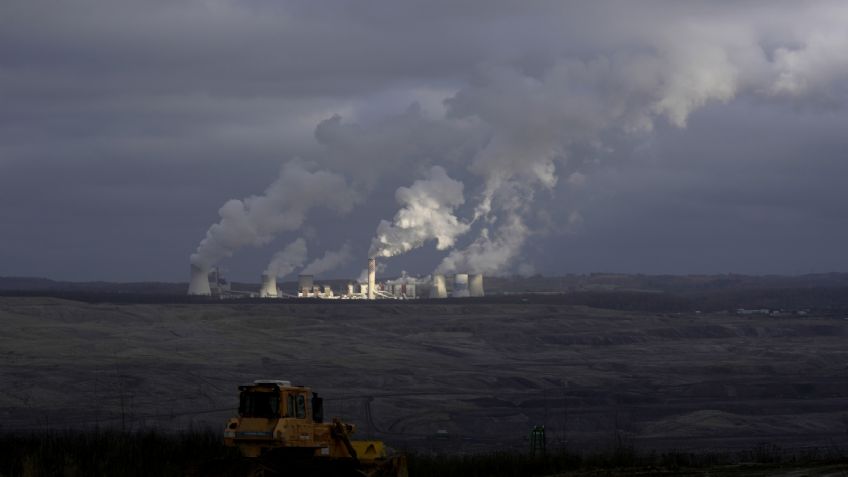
647, 137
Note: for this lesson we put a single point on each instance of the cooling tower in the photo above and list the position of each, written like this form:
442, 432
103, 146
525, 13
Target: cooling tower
460, 285
269, 286
475, 284
372, 277
350, 289
199, 284
328, 291
439, 290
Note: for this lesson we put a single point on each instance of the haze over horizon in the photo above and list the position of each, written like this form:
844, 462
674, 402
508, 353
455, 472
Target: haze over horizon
557, 137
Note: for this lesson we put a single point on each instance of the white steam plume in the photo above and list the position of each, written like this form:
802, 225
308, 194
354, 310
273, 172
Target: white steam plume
363, 275
491, 252
288, 259
516, 125
536, 121
283, 206
329, 261
427, 213
500, 241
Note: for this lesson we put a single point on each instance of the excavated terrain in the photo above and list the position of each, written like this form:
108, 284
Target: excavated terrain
429, 376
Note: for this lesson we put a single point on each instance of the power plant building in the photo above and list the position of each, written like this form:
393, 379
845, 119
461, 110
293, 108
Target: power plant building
204, 283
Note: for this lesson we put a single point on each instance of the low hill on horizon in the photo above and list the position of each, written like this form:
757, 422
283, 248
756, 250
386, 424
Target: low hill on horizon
494, 285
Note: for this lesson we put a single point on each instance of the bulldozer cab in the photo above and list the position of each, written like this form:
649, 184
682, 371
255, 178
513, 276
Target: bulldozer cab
259, 403
279, 399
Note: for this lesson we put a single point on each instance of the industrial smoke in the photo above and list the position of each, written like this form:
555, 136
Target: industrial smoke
287, 260
329, 261
511, 130
283, 206
427, 213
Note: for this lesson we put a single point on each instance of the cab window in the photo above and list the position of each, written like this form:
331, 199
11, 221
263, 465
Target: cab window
301, 406
259, 404
296, 406
291, 404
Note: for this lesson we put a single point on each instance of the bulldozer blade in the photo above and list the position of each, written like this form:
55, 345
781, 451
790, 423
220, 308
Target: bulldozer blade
394, 466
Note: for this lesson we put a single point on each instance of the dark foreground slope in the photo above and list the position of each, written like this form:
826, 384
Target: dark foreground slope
480, 375
110, 453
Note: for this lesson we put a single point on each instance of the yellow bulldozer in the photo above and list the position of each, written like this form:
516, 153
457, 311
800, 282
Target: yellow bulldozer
280, 428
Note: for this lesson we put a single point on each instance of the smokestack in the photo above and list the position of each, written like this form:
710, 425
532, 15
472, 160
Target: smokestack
304, 284
199, 284
350, 289
372, 277
475, 285
460, 285
439, 290
269, 286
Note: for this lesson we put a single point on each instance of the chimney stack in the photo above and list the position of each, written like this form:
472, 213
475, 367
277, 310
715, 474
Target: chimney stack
372, 278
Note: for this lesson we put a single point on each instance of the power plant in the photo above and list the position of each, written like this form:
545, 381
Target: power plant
210, 283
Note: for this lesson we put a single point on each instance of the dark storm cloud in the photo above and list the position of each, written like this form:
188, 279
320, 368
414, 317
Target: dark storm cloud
588, 136
737, 191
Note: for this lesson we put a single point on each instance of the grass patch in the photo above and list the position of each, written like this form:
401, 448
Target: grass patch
96, 453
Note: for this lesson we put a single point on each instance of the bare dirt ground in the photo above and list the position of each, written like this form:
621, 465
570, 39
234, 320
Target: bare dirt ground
484, 373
